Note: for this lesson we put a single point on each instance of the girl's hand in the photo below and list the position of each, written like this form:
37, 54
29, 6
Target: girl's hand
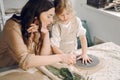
85, 58
33, 28
68, 58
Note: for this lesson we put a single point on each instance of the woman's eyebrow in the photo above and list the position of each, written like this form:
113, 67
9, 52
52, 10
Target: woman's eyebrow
51, 14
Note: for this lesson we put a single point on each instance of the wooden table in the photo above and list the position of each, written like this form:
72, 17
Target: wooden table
111, 71
111, 54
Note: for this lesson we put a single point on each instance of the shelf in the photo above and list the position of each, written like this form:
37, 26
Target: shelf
117, 14
113, 14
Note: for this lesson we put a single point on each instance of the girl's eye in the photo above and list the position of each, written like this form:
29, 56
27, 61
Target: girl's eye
61, 15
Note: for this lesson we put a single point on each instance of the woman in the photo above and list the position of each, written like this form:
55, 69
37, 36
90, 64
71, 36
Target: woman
25, 38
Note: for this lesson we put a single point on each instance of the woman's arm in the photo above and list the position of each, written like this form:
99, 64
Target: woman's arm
20, 53
46, 49
31, 60
15, 42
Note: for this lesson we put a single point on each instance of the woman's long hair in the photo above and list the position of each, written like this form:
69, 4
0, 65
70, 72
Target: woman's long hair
32, 9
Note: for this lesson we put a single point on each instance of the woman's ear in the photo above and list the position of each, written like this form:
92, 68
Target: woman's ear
36, 21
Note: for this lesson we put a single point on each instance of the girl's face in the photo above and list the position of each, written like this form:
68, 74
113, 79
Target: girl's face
47, 17
65, 16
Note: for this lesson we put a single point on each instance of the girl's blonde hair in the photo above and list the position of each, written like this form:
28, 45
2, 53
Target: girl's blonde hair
61, 5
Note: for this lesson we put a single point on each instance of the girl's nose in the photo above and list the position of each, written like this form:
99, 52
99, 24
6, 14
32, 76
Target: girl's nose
65, 17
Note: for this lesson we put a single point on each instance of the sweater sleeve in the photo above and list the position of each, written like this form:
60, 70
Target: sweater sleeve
55, 39
16, 45
81, 29
20, 52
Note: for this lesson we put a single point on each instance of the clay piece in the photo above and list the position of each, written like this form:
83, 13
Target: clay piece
95, 61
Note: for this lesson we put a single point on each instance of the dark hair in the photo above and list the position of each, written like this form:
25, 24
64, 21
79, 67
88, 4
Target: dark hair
32, 9
58, 6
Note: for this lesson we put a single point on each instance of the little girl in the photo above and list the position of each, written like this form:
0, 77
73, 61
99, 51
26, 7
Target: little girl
66, 29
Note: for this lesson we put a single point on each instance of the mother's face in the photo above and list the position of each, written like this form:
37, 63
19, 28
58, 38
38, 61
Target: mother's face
47, 17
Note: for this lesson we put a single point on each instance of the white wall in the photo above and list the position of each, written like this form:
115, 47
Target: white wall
101, 25
14, 3
6, 4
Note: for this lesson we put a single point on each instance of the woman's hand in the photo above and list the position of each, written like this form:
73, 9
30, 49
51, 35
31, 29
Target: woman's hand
85, 58
44, 30
33, 28
68, 58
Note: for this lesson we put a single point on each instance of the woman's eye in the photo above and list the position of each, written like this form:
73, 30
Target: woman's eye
50, 16
67, 13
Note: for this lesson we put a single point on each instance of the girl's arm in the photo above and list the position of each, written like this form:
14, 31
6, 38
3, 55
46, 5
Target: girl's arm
83, 44
84, 56
56, 50
82, 35
55, 40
